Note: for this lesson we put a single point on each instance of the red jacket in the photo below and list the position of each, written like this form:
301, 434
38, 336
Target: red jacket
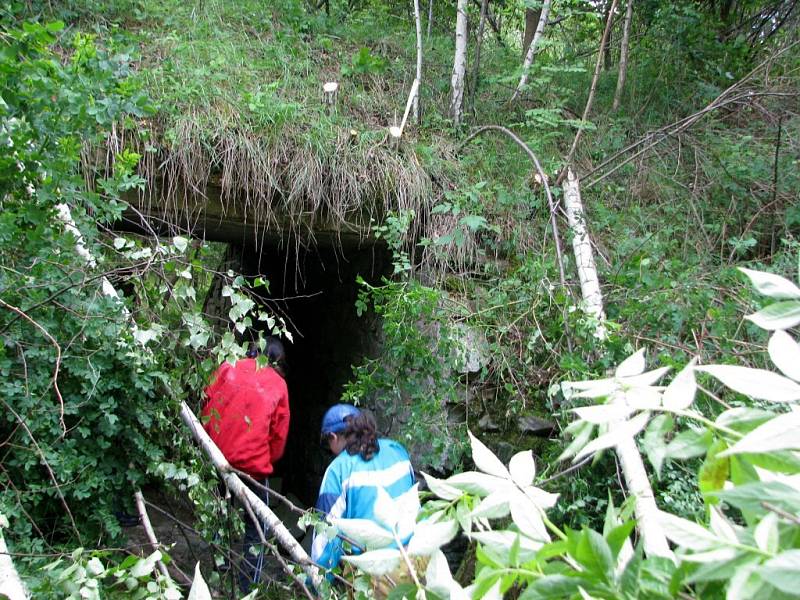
247, 415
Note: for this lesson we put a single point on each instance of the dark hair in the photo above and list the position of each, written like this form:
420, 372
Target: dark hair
276, 355
362, 435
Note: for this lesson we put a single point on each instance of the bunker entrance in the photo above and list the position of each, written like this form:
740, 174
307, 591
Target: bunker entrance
315, 290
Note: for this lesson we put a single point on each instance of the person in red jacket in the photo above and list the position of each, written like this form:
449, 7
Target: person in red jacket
247, 417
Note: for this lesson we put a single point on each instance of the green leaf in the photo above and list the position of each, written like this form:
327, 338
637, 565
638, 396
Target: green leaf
403, 591
376, 562
772, 285
743, 419
522, 468
501, 541
594, 553
756, 383
653, 441
779, 433
785, 354
689, 443
751, 496
714, 471
780, 315
554, 586
617, 536
486, 460
783, 571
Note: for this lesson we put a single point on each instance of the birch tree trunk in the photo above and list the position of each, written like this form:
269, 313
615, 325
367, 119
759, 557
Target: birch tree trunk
11, 585
636, 480
526, 65
418, 20
645, 508
584, 256
623, 56
459, 63
430, 18
247, 496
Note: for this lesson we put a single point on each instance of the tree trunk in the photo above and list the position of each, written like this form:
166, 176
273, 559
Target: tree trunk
584, 256
459, 63
430, 18
623, 56
645, 508
608, 17
476, 67
11, 585
418, 20
532, 16
636, 480
526, 65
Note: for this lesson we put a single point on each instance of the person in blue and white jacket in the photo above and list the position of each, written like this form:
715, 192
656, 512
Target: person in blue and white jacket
363, 463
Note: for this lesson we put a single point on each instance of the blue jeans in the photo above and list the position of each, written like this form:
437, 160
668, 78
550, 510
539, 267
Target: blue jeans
253, 562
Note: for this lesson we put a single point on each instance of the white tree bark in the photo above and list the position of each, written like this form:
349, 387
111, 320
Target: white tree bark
636, 480
584, 256
11, 585
418, 19
459, 63
623, 56
526, 65
430, 18
150, 532
247, 496
645, 508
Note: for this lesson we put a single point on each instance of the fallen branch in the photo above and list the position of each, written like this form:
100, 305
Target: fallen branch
151, 536
659, 135
248, 497
584, 256
11, 586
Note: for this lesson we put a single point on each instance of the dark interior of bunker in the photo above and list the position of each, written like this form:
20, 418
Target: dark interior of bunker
314, 290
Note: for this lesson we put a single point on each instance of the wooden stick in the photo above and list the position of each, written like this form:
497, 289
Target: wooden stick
151, 536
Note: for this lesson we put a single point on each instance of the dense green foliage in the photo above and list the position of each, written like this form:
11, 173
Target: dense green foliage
102, 98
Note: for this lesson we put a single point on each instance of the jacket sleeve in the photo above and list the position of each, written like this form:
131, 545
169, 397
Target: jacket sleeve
279, 430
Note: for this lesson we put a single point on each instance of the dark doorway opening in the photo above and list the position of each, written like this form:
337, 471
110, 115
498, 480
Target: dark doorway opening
315, 290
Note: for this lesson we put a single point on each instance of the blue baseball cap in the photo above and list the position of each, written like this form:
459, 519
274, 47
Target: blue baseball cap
335, 418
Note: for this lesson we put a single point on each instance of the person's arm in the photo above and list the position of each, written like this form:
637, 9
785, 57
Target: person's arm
279, 432
332, 501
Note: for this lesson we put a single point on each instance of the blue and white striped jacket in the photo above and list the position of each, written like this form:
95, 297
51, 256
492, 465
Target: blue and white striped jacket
350, 488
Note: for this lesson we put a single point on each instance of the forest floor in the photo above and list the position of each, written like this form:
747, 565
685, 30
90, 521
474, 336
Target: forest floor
171, 520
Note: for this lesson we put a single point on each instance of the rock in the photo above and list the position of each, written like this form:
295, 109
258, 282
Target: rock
536, 426
487, 424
